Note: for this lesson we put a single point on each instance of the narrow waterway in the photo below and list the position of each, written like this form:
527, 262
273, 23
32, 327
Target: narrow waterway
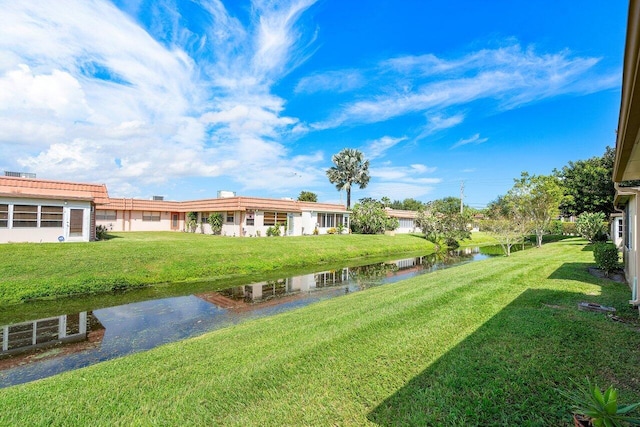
41, 348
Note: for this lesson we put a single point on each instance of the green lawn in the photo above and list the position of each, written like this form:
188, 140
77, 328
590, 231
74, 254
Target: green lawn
486, 343
130, 260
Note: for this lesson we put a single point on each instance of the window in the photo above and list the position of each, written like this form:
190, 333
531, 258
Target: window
106, 215
250, 218
327, 220
51, 216
204, 217
151, 216
620, 229
230, 217
25, 216
273, 218
406, 223
4, 216
629, 234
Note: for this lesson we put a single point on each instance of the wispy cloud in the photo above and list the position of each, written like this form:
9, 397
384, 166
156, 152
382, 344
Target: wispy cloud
331, 81
401, 182
379, 147
475, 139
86, 89
508, 77
438, 122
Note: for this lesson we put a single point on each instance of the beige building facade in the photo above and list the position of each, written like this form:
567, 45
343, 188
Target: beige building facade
626, 174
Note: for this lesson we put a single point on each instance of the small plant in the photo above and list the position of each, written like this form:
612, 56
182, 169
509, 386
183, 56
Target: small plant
600, 409
606, 256
340, 228
215, 221
192, 221
332, 230
316, 231
101, 232
273, 231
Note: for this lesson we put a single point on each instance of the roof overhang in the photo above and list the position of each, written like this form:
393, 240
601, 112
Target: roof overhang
23, 195
627, 162
623, 194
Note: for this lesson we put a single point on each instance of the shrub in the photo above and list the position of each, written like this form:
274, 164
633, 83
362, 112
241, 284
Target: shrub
340, 228
101, 232
606, 256
369, 217
215, 221
592, 226
555, 227
332, 230
569, 228
273, 231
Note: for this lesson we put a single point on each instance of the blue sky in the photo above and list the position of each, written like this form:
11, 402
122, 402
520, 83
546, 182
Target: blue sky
185, 98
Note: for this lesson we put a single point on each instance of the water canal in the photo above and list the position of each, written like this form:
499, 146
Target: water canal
43, 347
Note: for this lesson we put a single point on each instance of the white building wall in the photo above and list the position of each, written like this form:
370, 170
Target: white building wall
630, 248
47, 234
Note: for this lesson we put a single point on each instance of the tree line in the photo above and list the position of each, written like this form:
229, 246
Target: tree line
582, 189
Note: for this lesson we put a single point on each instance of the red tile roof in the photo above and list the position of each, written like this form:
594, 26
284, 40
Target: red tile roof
39, 188
222, 205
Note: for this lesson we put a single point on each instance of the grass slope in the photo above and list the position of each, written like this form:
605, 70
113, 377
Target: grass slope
486, 343
129, 260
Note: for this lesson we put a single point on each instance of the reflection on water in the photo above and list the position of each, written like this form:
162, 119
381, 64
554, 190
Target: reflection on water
45, 347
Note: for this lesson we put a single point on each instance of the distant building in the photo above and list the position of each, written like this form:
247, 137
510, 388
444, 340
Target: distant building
242, 216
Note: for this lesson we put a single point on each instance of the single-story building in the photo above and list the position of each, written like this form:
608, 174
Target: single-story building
626, 172
406, 220
241, 216
35, 210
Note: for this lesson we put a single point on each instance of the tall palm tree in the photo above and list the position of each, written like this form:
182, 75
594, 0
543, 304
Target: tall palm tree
350, 168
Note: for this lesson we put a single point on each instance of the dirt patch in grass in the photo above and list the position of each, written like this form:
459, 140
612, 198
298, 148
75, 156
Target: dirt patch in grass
616, 276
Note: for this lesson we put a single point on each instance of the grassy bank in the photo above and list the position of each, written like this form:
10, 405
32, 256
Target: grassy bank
130, 260
486, 343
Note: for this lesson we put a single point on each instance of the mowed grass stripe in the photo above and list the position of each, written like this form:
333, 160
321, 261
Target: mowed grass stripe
475, 344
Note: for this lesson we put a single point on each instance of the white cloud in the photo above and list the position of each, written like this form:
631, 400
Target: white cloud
85, 89
509, 77
379, 147
475, 139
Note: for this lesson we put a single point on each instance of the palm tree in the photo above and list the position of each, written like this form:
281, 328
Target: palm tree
350, 168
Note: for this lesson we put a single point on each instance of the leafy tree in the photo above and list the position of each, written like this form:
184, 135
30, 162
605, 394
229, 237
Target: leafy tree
592, 226
307, 196
442, 228
588, 185
505, 223
215, 221
407, 205
447, 205
350, 168
369, 217
506, 231
536, 200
